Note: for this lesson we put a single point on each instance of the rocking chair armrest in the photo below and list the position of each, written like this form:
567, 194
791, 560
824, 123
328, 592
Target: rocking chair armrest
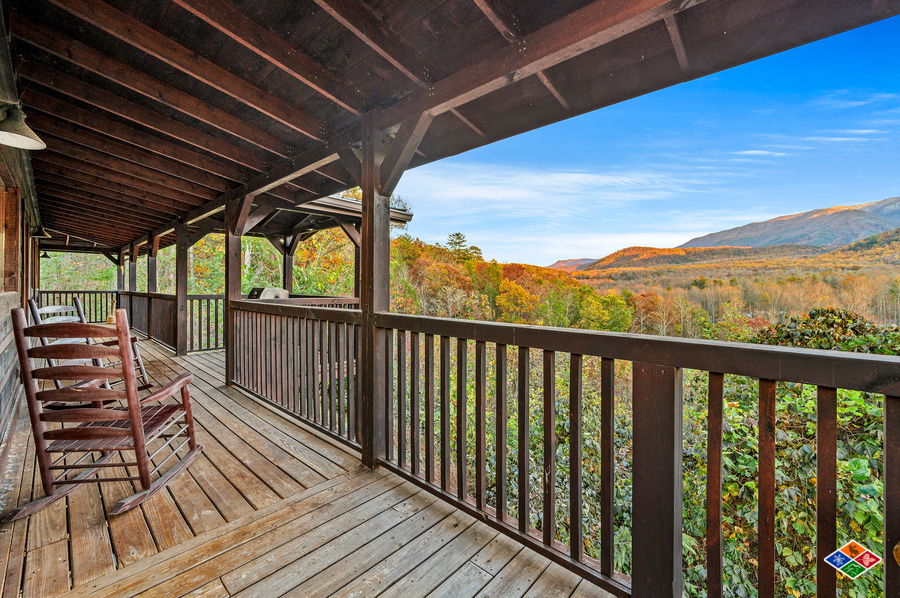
169, 389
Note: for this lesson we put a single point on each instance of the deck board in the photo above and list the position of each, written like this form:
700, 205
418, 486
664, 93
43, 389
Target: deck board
269, 509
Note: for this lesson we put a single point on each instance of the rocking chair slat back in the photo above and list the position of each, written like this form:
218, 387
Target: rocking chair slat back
116, 420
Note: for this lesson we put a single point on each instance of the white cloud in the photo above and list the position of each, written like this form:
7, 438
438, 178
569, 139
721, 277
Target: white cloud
843, 99
762, 153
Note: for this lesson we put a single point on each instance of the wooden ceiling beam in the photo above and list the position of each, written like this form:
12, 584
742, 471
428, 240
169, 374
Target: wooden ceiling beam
505, 21
85, 229
103, 205
144, 207
109, 102
271, 47
401, 150
357, 18
45, 168
187, 190
132, 31
677, 42
75, 209
100, 124
88, 168
190, 180
597, 23
81, 55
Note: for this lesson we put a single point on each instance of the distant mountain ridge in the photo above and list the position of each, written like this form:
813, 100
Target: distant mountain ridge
642, 257
829, 227
571, 265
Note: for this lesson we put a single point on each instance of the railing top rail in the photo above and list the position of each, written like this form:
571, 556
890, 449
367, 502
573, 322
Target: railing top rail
163, 296
43, 291
835, 369
208, 296
331, 314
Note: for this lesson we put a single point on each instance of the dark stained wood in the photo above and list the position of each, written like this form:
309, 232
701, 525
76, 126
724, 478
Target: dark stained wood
714, 485
181, 288
375, 296
226, 18
402, 149
548, 519
444, 371
826, 490
232, 290
462, 395
607, 464
429, 408
138, 81
132, 31
677, 42
502, 449
401, 398
576, 534
523, 412
891, 492
766, 485
656, 484
480, 430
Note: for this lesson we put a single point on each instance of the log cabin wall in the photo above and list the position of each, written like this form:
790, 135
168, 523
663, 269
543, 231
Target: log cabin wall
12, 259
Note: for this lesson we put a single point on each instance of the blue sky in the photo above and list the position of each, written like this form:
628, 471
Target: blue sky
812, 127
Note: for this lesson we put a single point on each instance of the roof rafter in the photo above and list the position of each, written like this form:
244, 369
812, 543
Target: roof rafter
132, 31
226, 18
359, 20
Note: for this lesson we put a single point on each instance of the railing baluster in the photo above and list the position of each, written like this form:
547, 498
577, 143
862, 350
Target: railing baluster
445, 412
714, 486
607, 464
892, 494
549, 516
766, 485
429, 408
414, 443
389, 395
480, 431
401, 398
332, 383
461, 423
339, 365
826, 489
523, 429
501, 424
576, 539
351, 387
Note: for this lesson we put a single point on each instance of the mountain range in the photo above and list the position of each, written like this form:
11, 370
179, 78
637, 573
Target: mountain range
834, 226
806, 233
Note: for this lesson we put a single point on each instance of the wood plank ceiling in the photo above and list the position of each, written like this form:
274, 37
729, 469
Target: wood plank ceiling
158, 111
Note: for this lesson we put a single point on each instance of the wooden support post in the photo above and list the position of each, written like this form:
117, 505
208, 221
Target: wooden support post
152, 250
656, 481
375, 295
132, 268
287, 261
232, 286
182, 246
120, 278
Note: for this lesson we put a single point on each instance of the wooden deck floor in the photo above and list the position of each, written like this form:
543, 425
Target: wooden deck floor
270, 509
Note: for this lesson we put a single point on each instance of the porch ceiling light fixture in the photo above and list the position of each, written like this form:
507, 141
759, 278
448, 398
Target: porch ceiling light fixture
40, 233
45, 255
15, 133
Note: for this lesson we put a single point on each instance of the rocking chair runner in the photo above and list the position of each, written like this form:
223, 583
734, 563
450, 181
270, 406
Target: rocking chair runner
106, 427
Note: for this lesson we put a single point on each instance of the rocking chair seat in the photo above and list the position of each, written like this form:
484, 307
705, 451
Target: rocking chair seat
155, 418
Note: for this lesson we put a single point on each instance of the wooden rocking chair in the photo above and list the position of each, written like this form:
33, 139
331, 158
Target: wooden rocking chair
52, 314
107, 426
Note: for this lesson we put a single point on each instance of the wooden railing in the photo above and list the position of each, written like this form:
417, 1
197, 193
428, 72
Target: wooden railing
452, 381
97, 305
206, 322
489, 417
152, 314
304, 359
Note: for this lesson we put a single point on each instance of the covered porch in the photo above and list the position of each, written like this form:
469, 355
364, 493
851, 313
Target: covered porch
270, 509
353, 450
